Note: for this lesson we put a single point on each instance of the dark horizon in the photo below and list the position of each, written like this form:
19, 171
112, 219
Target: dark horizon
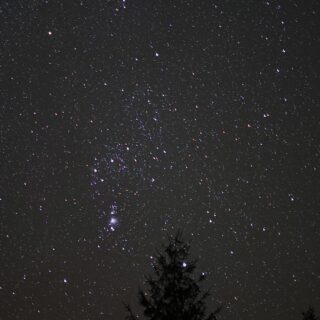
123, 121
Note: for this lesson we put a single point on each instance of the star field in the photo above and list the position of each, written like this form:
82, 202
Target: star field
123, 121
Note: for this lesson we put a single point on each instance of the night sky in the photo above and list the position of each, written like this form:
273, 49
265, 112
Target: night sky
123, 121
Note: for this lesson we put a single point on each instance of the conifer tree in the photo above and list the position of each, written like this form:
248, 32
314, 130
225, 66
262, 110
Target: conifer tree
309, 315
173, 292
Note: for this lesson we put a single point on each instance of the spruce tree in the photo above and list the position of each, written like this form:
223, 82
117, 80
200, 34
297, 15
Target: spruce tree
173, 292
309, 315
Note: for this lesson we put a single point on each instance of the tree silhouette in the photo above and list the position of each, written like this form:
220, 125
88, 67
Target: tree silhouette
173, 292
309, 315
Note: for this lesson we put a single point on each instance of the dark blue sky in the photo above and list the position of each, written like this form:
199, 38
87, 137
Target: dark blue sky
122, 121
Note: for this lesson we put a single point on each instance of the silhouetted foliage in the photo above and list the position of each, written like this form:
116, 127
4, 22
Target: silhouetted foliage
173, 292
309, 315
